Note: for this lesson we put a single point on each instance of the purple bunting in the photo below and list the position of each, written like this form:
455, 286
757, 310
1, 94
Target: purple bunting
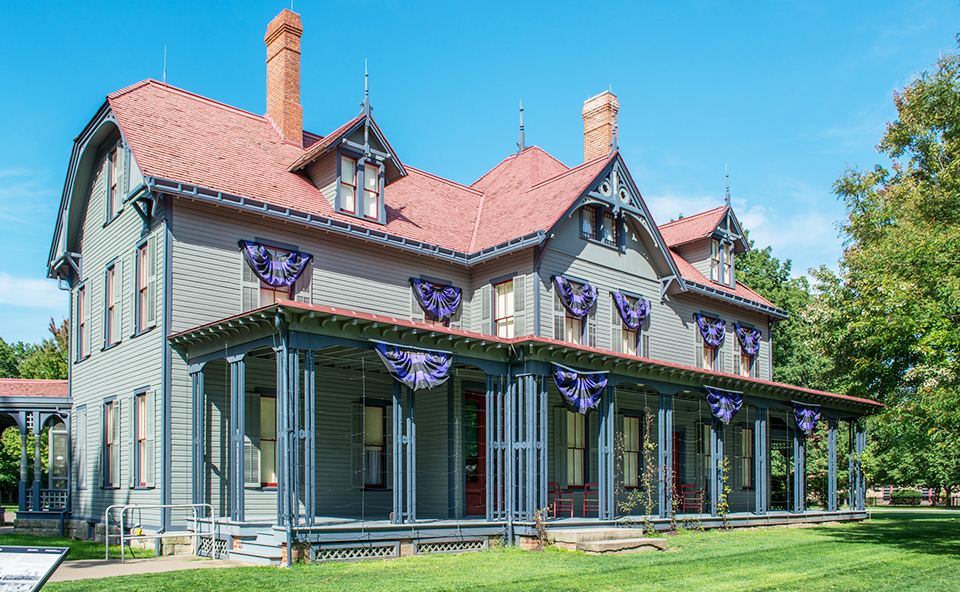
723, 405
633, 315
577, 301
418, 369
580, 391
280, 272
749, 339
439, 302
712, 330
807, 417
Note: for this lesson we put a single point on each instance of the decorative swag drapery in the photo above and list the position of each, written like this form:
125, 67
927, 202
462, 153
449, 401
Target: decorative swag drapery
633, 315
577, 301
580, 391
439, 302
807, 417
749, 339
277, 272
723, 405
418, 369
712, 330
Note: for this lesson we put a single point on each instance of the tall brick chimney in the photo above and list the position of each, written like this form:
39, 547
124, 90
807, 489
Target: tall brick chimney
283, 75
599, 124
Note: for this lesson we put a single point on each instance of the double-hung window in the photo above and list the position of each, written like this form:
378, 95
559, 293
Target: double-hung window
83, 323
268, 440
503, 308
145, 311
588, 222
610, 230
371, 191
374, 446
111, 444
143, 438
112, 292
115, 181
270, 294
721, 262
746, 458
348, 185
745, 367
599, 225
360, 201
576, 448
631, 451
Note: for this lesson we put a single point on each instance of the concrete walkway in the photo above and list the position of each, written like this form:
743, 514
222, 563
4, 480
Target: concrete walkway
86, 569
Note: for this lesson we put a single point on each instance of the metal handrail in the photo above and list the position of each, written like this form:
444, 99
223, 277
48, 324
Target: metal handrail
124, 508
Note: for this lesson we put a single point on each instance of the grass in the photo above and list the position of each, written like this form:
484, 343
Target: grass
78, 549
893, 551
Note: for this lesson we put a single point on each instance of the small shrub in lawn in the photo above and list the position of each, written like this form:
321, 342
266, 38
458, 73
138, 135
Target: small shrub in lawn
905, 497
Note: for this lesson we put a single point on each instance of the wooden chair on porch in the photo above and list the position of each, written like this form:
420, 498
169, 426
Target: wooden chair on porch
691, 499
560, 500
591, 498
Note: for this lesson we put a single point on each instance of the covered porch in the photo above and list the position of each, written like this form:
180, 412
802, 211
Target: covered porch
303, 434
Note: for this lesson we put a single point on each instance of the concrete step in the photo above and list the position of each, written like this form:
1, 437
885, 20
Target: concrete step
254, 557
580, 535
619, 545
264, 550
267, 537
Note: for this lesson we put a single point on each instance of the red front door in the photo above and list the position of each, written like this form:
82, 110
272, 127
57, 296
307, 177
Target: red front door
475, 433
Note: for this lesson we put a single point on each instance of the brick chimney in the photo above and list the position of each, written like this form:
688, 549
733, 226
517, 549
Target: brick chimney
283, 75
599, 124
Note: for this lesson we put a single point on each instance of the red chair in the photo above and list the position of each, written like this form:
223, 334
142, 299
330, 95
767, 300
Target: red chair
691, 499
591, 498
560, 500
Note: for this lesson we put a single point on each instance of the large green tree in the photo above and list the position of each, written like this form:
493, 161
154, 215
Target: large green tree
890, 319
47, 359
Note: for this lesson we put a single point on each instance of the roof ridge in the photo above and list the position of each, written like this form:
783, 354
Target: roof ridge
692, 216
495, 167
548, 155
476, 223
191, 95
569, 171
442, 180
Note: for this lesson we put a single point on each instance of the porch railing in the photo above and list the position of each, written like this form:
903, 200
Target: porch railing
50, 499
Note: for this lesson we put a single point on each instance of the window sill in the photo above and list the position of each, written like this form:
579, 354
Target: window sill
147, 330
86, 357
362, 217
109, 487
600, 242
108, 347
143, 487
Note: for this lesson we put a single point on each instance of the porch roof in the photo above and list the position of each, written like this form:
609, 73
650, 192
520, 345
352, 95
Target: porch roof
268, 323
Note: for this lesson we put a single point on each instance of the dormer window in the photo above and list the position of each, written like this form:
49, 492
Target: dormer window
348, 185
721, 262
599, 225
360, 201
371, 191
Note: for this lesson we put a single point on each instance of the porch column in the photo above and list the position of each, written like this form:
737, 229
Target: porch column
495, 436
237, 431
799, 471
761, 484
23, 462
665, 477
716, 465
199, 420
289, 446
37, 432
832, 465
309, 435
404, 456
605, 473
861, 481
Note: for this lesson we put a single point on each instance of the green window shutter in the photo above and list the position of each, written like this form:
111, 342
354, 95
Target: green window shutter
356, 446
149, 420
303, 288
486, 324
560, 445
152, 281
250, 287
80, 445
519, 306
251, 441
416, 311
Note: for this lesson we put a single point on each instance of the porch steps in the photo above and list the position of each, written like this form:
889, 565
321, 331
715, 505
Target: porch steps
605, 540
265, 550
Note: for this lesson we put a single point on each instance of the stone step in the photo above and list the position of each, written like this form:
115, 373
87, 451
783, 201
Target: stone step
617, 545
579, 535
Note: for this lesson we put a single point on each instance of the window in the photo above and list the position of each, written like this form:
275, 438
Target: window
112, 291
140, 440
709, 357
715, 260
610, 230
576, 448
80, 420
572, 326
588, 228
146, 286
268, 440
115, 184
270, 294
374, 444
745, 367
721, 262
83, 323
348, 185
746, 458
503, 308
631, 451
111, 443
371, 191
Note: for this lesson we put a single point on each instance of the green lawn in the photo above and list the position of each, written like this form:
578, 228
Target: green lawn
893, 551
78, 549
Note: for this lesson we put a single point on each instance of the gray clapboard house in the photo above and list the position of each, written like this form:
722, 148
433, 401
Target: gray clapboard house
335, 349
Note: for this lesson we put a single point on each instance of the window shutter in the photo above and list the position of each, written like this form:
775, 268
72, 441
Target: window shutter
645, 345
456, 321
720, 366
87, 328
303, 289
122, 181
559, 317
560, 445
416, 311
251, 441
152, 281
135, 175
356, 450
519, 306
148, 471
116, 294
616, 330
485, 322
250, 288
591, 321
699, 347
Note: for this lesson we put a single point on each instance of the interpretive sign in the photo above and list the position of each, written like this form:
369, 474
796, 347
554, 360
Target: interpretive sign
25, 569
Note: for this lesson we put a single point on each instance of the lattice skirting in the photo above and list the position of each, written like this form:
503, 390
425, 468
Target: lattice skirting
357, 552
459, 545
205, 544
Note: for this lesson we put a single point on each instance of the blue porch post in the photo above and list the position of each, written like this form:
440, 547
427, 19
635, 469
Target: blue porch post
404, 455
37, 432
665, 477
799, 471
832, 465
605, 473
761, 459
22, 486
716, 465
199, 408
237, 418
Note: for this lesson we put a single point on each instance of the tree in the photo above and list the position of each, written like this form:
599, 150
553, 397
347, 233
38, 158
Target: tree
49, 358
10, 357
890, 320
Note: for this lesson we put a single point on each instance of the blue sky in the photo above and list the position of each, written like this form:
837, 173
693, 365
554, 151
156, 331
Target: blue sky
786, 94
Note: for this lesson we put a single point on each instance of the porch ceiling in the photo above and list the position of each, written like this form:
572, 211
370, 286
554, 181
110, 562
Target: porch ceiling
340, 333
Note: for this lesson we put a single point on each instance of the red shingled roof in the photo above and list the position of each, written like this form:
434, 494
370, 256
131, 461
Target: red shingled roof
690, 273
23, 387
691, 228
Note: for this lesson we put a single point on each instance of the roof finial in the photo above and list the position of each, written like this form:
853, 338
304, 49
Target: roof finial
366, 90
522, 144
727, 198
